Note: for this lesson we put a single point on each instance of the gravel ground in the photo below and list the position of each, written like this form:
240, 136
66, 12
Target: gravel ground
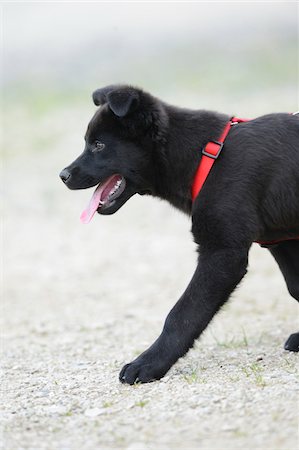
80, 301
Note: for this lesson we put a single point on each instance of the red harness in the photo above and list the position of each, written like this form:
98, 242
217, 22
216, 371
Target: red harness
209, 155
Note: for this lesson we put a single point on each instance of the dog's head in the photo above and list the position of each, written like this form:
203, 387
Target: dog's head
121, 140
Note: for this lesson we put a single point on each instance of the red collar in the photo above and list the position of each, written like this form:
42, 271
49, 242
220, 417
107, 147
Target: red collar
209, 155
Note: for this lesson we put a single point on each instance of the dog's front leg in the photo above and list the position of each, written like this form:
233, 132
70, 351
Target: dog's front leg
217, 274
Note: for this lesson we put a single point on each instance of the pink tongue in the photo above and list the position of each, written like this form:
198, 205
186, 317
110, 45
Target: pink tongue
89, 212
95, 201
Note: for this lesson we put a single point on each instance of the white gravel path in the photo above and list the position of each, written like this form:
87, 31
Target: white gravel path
80, 301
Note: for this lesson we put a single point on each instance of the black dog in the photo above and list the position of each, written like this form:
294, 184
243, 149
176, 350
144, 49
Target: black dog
136, 143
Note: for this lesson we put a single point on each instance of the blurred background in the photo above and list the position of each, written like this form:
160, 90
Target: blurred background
237, 57
75, 292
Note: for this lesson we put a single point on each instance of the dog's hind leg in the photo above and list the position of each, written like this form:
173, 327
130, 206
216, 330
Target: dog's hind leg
286, 255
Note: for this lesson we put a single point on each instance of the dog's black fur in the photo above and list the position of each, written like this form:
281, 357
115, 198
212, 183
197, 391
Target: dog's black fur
250, 195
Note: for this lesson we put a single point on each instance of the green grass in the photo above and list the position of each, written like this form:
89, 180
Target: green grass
233, 342
141, 403
194, 377
255, 371
107, 404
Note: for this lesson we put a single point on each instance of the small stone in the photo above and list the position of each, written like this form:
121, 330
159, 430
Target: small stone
227, 427
94, 412
137, 446
43, 393
57, 409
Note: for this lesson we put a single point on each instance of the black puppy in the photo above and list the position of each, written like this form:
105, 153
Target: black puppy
136, 143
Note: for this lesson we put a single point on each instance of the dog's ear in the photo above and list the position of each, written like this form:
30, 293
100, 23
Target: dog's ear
99, 96
122, 100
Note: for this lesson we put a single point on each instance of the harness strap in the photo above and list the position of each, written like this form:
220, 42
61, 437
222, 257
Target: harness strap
267, 244
210, 153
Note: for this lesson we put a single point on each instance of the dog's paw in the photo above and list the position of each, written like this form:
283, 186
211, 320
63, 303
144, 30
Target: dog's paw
140, 371
292, 344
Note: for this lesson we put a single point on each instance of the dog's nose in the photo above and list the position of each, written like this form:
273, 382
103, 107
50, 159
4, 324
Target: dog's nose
65, 175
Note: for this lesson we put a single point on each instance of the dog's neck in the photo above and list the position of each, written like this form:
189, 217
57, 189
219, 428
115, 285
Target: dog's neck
188, 132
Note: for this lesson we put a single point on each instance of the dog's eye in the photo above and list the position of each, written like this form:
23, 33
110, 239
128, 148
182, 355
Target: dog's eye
98, 146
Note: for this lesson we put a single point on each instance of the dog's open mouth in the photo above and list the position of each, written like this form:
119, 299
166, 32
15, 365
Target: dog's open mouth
104, 196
